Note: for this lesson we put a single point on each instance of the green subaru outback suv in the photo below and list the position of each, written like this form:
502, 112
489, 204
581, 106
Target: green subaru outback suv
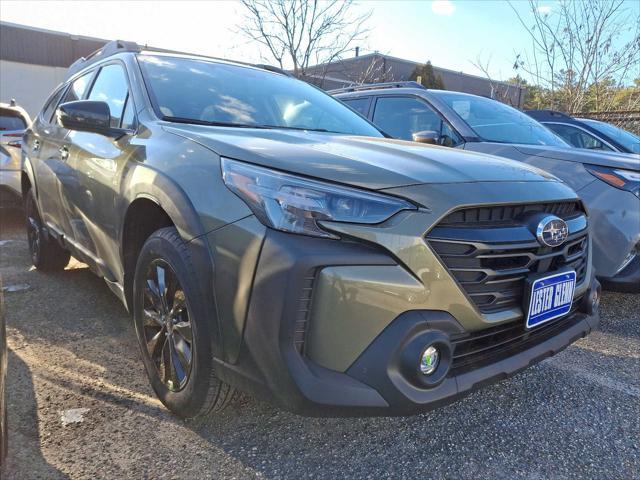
265, 237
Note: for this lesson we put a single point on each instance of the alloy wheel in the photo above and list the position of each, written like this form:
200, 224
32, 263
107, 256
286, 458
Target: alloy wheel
166, 325
33, 233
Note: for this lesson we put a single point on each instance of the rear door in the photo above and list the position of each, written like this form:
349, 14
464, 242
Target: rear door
50, 162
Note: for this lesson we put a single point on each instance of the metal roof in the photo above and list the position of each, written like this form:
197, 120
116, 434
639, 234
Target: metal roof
20, 43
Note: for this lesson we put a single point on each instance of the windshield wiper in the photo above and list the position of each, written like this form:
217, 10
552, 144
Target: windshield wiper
285, 127
195, 121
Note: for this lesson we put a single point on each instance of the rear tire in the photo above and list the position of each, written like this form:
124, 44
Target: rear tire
46, 253
174, 329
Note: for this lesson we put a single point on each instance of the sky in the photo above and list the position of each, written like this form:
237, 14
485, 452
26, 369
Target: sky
453, 34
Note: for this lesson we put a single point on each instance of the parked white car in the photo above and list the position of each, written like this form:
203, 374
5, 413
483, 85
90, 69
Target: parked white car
14, 120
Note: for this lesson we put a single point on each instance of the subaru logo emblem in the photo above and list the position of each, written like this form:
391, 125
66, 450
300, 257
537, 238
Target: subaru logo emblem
552, 231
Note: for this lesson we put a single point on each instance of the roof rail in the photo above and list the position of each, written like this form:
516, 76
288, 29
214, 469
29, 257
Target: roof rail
120, 46
377, 86
109, 48
271, 68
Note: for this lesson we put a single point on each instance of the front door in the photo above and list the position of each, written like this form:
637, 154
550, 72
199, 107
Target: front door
97, 162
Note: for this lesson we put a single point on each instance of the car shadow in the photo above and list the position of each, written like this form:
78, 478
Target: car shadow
25, 458
487, 434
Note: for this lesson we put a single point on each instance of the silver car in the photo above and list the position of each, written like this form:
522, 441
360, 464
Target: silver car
609, 183
14, 120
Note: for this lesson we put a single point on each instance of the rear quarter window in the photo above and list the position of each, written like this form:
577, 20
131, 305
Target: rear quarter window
360, 105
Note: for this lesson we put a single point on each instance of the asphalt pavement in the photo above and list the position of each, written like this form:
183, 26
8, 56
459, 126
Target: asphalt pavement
80, 405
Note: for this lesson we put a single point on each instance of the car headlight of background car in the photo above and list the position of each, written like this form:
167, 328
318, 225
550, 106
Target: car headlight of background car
296, 204
617, 177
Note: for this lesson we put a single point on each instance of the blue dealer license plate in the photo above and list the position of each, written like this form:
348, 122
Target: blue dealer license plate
550, 297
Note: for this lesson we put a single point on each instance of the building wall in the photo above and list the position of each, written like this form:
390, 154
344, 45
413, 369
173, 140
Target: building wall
30, 85
33, 61
384, 68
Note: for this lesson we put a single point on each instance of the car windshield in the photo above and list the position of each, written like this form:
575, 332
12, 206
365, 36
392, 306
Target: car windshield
624, 138
494, 121
216, 93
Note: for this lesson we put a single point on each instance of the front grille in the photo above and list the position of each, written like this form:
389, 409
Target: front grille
475, 350
510, 214
492, 258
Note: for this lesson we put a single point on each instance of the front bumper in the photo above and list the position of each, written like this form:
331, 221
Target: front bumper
280, 358
627, 280
615, 232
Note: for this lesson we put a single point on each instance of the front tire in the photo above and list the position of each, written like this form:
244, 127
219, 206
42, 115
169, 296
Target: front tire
46, 253
174, 330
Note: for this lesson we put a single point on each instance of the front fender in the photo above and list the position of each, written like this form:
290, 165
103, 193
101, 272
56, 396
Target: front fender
145, 182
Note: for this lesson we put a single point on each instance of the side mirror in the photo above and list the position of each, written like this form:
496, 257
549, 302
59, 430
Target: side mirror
88, 116
426, 136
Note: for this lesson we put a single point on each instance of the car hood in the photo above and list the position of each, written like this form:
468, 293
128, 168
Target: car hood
604, 159
368, 162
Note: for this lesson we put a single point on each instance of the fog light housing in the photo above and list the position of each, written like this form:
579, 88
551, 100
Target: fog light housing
429, 360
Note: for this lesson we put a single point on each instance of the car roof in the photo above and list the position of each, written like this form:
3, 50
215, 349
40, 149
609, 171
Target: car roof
117, 48
547, 115
391, 90
204, 58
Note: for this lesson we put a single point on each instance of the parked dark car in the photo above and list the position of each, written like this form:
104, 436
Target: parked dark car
608, 182
266, 237
588, 133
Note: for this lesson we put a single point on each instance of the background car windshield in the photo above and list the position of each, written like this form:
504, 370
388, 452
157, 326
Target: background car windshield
496, 122
206, 91
628, 139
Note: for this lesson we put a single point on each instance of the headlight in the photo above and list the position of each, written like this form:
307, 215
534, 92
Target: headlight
295, 204
617, 177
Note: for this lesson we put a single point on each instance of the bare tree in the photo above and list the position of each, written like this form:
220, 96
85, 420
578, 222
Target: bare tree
511, 93
300, 33
577, 50
375, 71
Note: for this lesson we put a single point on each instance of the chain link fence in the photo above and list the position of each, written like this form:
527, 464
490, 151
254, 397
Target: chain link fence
629, 120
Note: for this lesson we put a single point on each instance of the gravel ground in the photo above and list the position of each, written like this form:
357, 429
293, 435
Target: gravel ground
72, 345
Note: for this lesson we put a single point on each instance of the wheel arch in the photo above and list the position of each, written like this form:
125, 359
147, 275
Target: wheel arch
27, 177
153, 201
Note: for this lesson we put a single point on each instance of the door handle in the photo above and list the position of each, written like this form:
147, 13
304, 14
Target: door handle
36, 145
64, 153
